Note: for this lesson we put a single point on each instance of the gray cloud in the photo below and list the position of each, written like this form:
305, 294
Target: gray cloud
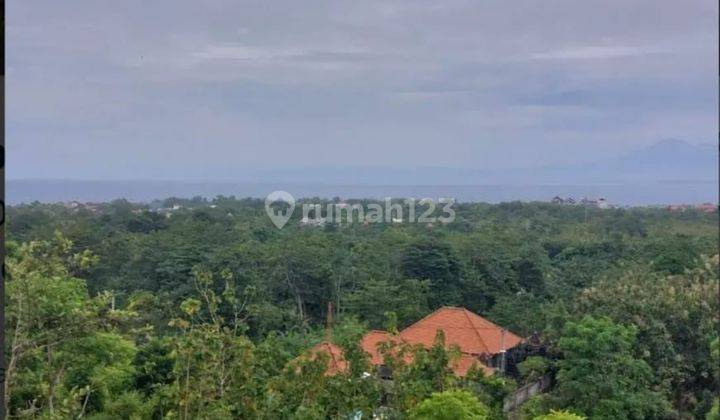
145, 89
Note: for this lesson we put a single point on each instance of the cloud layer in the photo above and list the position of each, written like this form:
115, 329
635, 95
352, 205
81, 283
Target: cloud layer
171, 90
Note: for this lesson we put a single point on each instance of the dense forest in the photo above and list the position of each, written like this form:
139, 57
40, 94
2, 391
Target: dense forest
203, 309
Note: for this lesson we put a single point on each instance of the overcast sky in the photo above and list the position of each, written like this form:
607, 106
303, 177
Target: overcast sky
197, 89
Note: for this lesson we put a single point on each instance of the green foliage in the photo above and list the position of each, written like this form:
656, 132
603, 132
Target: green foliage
537, 406
406, 298
559, 415
600, 377
661, 307
450, 405
533, 368
714, 413
436, 262
125, 406
127, 313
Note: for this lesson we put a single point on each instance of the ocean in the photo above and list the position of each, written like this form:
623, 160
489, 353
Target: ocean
641, 194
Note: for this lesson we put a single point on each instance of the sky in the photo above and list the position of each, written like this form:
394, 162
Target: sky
214, 89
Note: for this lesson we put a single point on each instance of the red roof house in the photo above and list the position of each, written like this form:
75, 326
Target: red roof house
372, 341
477, 339
473, 334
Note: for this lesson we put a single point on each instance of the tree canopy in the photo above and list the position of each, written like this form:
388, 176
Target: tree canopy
120, 310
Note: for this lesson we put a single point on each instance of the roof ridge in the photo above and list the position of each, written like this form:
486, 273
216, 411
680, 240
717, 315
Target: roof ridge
487, 320
420, 320
482, 342
494, 325
328, 348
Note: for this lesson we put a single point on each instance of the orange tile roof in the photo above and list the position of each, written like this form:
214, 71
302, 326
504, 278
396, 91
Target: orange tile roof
336, 360
472, 333
372, 341
371, 344
461, 366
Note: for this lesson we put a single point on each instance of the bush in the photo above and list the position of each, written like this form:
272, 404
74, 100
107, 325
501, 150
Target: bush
533, 368
559, 415
450, 405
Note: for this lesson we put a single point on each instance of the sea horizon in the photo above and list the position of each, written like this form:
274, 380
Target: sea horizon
21, 191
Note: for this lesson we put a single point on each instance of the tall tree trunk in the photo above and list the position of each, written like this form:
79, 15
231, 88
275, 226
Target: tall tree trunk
298, 298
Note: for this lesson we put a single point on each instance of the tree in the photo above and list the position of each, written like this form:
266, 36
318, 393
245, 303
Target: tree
417, 371
662, 307
434, 261
533, 368
407, 298
214, 368
559, 415
258, 297
450, 405
65, 358
599, 376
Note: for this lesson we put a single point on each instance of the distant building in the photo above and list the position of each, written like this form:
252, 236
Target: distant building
559, 200
93, 207
707, 208
704, 207
316, 222
676, 208
600, 203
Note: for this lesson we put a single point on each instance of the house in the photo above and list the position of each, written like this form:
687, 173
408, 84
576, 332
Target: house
481, 343
93, 207
559, 200
479, 340
707, 208
472, 333
603, 203
600, 203
315, 222
704, 207
73, 205
676, 208
372, 341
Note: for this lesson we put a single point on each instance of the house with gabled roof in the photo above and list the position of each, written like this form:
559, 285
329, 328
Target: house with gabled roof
481, 343
473, 334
